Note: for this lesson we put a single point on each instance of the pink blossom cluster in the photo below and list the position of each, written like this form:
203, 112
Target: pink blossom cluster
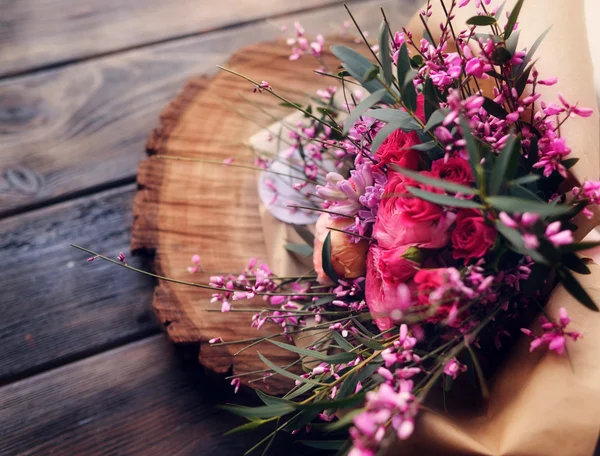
554, 334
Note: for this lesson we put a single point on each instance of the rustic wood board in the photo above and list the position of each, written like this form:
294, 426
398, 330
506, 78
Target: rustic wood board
76, 129
37, 33
138, 399
57, 308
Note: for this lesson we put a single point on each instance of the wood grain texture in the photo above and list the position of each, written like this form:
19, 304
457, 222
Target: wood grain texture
83, 127
37, 33
55, 307
138, 399
187, 207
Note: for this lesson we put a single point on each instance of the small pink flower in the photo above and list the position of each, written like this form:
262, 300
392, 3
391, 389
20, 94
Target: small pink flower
453, 368
215, 340
121, 257
236, 382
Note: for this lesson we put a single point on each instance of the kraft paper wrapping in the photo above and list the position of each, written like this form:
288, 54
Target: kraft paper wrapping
541, 404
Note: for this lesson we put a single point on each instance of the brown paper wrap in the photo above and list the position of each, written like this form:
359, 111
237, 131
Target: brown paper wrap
541, 404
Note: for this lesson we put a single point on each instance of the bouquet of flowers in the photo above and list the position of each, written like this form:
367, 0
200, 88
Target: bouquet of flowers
446, 214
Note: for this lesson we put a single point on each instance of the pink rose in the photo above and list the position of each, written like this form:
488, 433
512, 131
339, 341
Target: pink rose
347, 258
391, 230
396, 148
429, 280
385, 289
472, 236
453, 169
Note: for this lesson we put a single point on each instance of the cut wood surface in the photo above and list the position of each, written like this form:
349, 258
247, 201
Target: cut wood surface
186, 207
55, 307
37, 33
82, 127
137, 399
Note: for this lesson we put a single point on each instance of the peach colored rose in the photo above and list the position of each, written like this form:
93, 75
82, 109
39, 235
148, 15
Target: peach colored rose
347, 258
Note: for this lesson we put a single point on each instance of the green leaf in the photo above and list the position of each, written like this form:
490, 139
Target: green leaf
401, 119
264, 411
323, 444
574, 263
369, 343
436, 118
481, 20
341, 341
532, 153
499, 10
512, 205
331, 404
580, 246
357, 65
409, 97
338, 358
527, 179
343, 422
575, 289
430, 98
360, 109
494, 108
403, 65
515, 238
570, 162
423, 147
384, 53
271, 400
300, 249
438, 183
299, 391
521, 81
511, 43
285, 373
501, 55
246, 427
506, 164
326, 259
443, 200
533, 49
382, 136
512, 19
371, 74
473, 150
305, 234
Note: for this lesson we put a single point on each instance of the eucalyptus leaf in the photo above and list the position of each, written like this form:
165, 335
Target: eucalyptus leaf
250, 426
515, 238
575, 289
506, 165
384, 53
341, 341
264, 411
305, 234
328, 268
438, 183
499, 10
382, 136
285, 373
481, 20
570, 162
443, 200
519, 205
402, 119
473, 150
338, 358
521, 81
300, 249
574, 263
409, 97
423, 147
577, 247
403, 64
533, 49
358, 66
494, 108
512, 19
436, 118
360, 109
527, 179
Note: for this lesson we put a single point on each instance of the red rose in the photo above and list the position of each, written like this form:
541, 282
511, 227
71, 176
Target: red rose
396, 148
453, 169
415, 210
387, 271
391, 231
472, 236
447, 299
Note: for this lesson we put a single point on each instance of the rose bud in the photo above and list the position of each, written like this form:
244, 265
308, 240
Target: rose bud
348, 258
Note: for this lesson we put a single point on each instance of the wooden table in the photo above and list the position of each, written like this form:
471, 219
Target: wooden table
84, 368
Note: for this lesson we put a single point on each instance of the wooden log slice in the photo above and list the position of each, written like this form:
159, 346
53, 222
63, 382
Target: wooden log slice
186, 207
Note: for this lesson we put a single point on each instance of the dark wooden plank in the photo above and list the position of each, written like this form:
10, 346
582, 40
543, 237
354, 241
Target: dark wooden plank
139, 399
73, 129
54, 305
37, 33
